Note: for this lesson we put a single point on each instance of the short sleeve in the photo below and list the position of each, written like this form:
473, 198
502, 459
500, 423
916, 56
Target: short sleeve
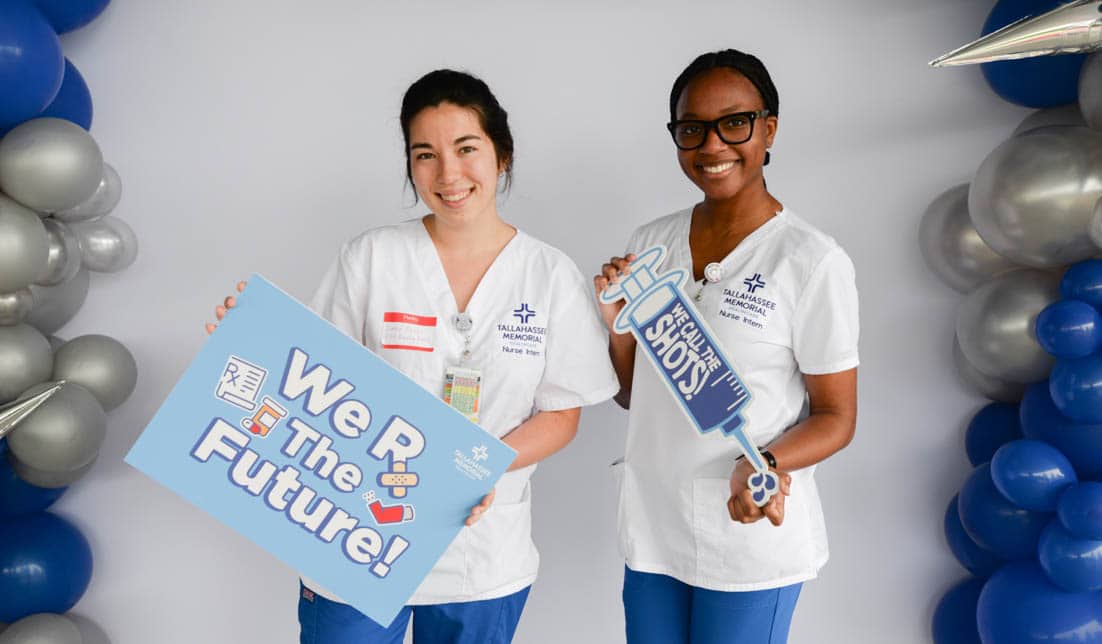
341, 295
577, 370
825, 328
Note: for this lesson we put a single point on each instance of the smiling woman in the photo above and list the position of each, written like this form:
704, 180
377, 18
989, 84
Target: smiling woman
701, 565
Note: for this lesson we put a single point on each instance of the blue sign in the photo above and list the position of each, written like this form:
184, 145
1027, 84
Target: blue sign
320, 452
685, 352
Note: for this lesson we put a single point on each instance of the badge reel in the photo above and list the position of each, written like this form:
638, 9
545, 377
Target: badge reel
462, 382
713, 273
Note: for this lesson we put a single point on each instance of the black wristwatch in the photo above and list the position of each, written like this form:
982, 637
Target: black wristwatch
766, 454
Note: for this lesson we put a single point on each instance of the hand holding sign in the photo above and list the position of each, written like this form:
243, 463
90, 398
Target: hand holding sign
684, 350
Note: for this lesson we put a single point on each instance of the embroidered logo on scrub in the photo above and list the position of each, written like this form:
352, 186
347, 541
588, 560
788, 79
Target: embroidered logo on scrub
524, 336
746, 305
408, 331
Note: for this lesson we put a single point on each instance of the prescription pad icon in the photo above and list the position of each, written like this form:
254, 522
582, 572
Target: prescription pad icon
266, 418
240, 383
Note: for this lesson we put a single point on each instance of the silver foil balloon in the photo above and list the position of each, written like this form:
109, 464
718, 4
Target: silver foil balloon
42, 628
24, 245
63, 258
1090, 91
1062, 115
106, 245
54, 306
1071, 28
62, 435
48, 478
15, 306
995, 325
25, 360
951, 246
1094, 228
982, 383
90, 631
49, 164
1033, 196
100, 364
102, 201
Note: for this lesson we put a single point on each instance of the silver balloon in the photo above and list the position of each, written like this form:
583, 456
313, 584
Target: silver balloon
25, 360
90, 631
23, 245
99, 363
106, 245
42, 628
1090, 91
995, 325
1033, 197
54, 306
63, 257
55, 342
951, 246
1094, 228
62, 435
15, 306
102, 201
1062, 115
49, 164
983, 384
47, 478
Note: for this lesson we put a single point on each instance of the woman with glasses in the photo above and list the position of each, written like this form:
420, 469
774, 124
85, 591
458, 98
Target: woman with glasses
460, 295
702, 566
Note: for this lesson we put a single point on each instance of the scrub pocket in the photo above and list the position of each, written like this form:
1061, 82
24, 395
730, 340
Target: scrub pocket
753, 553
500, 547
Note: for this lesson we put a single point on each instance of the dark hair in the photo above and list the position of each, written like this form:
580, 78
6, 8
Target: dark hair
746, 64
464, 90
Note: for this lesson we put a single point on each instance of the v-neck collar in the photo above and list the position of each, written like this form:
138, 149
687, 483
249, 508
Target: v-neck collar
746, 245
436, 280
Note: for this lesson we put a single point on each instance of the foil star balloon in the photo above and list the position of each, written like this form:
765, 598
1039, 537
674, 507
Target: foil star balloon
1072, 28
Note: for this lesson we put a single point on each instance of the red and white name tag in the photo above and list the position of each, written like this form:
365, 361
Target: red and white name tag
408, 331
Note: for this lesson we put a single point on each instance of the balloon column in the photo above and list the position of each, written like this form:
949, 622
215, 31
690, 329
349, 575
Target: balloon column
1020, 243
56, 193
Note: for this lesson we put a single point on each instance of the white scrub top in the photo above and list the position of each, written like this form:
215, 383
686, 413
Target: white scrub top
535, 334
786, 304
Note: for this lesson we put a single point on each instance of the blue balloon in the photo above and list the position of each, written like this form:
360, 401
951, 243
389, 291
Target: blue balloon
955, 616
1076, 388
31, 64
1032, 474
1080, 442
1069, 329
1080, 510
975, 559
1019, 605
995, 523
67, 15
18, 497
1073, 563
992, 427
1083, 281
1043, 81
73, 101
45, 566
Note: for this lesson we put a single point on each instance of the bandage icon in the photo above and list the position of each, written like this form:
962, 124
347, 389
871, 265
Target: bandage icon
266, 418
684, 350
398, 479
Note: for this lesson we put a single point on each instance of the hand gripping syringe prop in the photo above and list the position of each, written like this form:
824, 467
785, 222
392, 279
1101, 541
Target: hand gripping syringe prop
683, 349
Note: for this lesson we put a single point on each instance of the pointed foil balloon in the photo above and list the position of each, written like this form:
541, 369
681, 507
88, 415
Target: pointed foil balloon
1072, 28
14, 412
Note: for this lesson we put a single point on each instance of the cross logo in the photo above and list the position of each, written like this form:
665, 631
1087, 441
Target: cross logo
754, 283
479, 453
523, 313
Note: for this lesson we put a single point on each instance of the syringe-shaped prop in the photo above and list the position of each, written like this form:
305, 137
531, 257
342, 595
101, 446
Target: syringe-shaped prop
684, 350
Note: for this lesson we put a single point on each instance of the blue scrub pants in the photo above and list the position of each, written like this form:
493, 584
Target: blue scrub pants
491, 621
662, 610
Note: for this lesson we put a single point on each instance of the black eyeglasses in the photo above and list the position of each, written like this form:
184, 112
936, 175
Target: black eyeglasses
731, 128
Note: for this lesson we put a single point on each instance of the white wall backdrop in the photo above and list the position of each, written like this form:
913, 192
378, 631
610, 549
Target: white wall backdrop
256, 136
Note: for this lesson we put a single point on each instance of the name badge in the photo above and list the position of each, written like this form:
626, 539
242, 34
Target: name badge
408, 331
